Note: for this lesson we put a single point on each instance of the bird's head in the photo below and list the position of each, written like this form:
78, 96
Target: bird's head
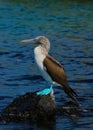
39, 41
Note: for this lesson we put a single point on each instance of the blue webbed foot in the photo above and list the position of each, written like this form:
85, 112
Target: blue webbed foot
45, 91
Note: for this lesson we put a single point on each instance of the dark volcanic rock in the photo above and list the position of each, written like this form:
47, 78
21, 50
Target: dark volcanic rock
30, 107
34, 108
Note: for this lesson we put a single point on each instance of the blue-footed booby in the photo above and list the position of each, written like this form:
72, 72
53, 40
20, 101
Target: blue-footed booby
50, 69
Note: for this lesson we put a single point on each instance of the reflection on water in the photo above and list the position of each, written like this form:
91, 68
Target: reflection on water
69, 26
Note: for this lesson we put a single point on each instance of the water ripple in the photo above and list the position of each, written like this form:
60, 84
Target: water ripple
82, 81
25, 77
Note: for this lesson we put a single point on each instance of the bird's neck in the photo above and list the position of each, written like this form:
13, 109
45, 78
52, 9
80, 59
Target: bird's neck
39, 50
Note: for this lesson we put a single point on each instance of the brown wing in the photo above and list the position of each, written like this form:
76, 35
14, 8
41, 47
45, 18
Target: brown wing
56, 71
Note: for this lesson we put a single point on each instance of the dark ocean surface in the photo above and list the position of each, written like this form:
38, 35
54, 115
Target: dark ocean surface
69, 26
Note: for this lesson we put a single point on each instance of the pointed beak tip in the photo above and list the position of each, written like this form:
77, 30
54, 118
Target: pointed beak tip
22, 41
28, 41
25, 41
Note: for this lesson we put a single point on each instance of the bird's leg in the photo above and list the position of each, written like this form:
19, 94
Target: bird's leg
51, 87
45, 91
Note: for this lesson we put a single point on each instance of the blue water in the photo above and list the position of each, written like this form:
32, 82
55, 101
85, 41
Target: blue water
69, 26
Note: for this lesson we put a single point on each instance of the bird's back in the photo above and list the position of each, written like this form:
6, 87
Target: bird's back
57, 73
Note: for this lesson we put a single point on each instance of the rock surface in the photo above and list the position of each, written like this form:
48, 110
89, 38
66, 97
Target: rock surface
35, 108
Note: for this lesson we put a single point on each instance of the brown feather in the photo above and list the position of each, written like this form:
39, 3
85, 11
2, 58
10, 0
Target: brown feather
56, 71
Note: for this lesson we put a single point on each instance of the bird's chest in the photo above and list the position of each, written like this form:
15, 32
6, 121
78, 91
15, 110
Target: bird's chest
39, 57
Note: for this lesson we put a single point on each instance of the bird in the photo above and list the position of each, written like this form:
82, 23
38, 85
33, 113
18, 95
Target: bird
51, 70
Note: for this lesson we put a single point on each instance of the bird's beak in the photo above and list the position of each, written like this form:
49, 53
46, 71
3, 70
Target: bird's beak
28, 41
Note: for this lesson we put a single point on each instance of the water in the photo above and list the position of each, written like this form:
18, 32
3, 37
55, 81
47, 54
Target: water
69, 26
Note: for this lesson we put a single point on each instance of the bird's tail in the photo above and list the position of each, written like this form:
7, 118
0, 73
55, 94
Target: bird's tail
71, 93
